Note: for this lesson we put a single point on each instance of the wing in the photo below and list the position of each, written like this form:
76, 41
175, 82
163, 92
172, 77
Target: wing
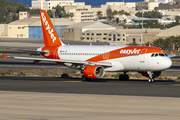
107, 64
172, 55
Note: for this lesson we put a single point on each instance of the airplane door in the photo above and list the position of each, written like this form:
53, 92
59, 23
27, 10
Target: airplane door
106, 55
142, 56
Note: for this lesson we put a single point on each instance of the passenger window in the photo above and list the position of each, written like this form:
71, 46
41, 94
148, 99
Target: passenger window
165, 54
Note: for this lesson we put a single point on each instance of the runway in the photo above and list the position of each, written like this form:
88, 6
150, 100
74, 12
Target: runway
101, 87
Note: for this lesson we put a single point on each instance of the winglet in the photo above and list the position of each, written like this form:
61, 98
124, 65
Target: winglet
4, 56
172, 53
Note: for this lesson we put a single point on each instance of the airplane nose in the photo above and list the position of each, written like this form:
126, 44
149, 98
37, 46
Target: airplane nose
167, 63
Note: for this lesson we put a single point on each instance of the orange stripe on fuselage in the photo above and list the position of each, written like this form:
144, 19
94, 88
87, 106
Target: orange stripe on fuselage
125, 52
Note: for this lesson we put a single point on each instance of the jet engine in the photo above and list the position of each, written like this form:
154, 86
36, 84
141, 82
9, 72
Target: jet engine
155, 74
94, 71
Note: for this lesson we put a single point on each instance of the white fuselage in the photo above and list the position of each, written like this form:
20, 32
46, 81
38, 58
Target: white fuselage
138, 62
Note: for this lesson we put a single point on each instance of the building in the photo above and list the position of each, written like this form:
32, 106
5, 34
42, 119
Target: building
31, 27
121, 36
99, 32
23, 15
118, 6
159, 1
76, 31
82, 13
149, 6
3, 30
49, 4
127, 19
152, 5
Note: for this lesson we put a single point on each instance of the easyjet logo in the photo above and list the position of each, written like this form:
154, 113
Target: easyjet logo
48, 28
130, 51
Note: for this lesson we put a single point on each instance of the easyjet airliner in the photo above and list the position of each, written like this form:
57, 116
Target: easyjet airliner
95, 60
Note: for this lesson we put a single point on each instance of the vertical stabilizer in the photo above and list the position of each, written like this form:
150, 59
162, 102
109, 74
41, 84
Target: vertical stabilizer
50, 35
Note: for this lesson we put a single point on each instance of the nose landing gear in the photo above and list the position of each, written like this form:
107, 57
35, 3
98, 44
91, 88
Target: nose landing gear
151, 79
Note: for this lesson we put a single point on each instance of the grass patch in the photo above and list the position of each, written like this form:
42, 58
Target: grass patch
42, 72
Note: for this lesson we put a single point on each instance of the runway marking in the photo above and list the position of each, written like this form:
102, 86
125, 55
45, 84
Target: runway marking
70, 81
174, 84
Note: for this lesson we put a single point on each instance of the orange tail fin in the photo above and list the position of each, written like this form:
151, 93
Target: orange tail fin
49, 33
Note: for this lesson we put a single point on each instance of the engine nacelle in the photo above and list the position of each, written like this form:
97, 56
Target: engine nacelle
94, 71
155, 74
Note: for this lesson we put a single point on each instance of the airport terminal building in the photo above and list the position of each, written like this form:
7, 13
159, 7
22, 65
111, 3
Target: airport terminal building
99, 32
31, 27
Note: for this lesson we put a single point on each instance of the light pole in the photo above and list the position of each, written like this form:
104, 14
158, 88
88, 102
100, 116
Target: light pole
142, 26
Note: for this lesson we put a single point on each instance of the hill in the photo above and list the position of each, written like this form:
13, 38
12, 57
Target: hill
9, 11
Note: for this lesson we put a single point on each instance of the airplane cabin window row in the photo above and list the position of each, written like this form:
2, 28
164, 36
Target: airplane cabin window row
99, 54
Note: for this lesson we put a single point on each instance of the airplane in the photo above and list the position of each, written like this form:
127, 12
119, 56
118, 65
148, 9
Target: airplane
95, 60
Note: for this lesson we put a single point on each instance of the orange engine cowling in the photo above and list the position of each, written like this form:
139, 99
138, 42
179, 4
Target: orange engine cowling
155, 74
94, 71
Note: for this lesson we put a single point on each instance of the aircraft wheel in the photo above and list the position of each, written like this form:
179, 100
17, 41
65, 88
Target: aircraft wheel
126, 77
121, 77
84, 78
151, 80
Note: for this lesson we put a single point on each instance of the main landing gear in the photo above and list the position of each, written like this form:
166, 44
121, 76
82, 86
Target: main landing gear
84, 78
151, 79
124, 77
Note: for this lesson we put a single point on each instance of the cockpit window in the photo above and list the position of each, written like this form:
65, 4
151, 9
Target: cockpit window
156, 55
161, 54
152, 55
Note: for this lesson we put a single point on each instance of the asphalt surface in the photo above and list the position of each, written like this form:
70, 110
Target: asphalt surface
102, 86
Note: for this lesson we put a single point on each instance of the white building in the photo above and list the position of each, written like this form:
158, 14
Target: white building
118, 6
23, 15
159, 1
152, 5
49, 4
83, 14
